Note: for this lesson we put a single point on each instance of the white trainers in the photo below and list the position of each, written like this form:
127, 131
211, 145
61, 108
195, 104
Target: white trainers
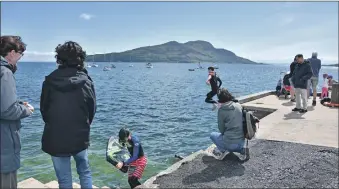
223, 155
219, 155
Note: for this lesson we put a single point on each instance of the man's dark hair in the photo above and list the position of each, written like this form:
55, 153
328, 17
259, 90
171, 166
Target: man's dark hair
9, 43
211, 68
70, 54
123, 134
299, 56
225, 96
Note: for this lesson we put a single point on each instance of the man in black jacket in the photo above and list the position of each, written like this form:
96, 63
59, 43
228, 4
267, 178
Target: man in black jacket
68, 105
302, 73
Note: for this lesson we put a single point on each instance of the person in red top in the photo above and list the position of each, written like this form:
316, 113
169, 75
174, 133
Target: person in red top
138, 160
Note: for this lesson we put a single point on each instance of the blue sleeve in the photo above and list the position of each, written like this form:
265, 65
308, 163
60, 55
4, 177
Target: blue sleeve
10, 107
308, 73
136, 147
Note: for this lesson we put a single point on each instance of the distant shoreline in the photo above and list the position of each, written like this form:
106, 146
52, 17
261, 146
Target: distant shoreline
332, 65
210, 63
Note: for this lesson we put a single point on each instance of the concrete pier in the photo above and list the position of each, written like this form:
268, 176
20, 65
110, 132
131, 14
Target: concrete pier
33, 183
290, 150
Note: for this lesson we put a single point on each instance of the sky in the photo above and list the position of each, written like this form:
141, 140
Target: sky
267, 32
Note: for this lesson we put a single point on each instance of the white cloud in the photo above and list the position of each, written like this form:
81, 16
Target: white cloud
286, 53
31, 56
86, 16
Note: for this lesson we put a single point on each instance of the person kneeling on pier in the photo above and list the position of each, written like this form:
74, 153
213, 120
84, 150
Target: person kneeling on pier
230, 123
138, 160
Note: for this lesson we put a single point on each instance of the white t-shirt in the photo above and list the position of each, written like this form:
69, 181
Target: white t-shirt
325, 84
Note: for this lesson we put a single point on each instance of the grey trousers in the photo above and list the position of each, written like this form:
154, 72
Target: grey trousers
8, 180
301, 98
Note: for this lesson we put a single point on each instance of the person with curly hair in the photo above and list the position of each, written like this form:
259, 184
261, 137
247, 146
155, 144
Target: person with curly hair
230, 137
68, 106
12, 110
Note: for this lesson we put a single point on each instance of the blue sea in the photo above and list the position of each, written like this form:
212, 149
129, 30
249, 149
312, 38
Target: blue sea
163, 106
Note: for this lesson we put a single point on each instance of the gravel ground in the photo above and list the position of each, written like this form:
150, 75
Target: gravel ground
273, 164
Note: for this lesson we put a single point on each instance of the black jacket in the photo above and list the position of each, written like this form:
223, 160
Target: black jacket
301, 74
214, 83
292, 68
67, 105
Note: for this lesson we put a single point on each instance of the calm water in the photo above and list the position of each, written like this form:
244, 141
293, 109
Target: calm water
164, 106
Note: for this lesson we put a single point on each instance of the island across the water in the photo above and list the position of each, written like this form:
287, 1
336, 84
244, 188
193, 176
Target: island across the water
173, 52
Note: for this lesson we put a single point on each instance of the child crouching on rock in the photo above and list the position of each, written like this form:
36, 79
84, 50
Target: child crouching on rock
138, 160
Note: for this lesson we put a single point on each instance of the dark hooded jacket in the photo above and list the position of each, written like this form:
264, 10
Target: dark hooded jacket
67, 105
301, 74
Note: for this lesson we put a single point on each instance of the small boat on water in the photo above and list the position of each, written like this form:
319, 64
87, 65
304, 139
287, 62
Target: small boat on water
107, 68
149, 65
199, 67
191, 70
89, 65
131, 65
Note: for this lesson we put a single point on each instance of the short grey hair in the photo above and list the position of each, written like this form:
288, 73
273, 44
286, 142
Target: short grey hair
314, 54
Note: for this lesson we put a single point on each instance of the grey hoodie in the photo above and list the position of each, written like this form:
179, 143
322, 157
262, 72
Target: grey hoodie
315, 65
11, 114
230, 122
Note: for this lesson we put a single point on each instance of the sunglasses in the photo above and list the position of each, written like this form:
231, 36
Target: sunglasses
21, 53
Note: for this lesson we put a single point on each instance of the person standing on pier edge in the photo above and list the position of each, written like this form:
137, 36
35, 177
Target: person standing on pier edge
12, 110
67, 106
316, 66
302, 73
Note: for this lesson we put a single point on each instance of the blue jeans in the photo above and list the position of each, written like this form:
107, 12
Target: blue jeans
62, 167
218, 140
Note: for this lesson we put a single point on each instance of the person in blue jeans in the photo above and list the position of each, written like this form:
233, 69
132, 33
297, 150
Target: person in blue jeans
230, 137
67, 106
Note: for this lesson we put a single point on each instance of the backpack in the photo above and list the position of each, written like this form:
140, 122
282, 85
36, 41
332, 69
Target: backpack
249, 124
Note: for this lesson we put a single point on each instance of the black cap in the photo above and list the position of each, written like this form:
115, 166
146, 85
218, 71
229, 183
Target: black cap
123, 134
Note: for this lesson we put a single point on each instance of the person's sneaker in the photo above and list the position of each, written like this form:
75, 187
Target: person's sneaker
245, 154
296, 110
292, 100
216, 152
223, 155
314, 103
303, 111
215, 106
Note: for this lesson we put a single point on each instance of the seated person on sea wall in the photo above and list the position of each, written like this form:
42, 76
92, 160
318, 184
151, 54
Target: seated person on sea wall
230, 137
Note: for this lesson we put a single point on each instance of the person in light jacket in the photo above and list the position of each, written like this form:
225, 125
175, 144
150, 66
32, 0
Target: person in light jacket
12, 110
230, 137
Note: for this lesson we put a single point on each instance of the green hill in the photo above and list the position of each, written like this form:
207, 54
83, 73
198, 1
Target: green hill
190, 52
